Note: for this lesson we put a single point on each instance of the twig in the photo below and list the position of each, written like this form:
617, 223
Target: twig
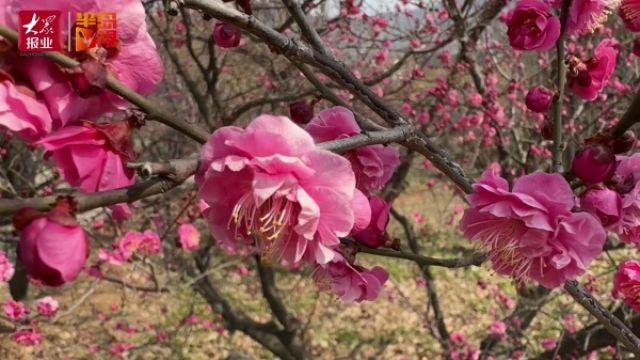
560, 83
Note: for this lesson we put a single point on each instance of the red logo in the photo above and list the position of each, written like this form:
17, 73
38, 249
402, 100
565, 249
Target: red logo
39, 31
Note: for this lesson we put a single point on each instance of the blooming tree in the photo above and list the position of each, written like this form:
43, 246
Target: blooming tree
286, 132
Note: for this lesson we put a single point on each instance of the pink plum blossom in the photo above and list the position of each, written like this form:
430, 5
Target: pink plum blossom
350, 282
135, 62
92, 157
22, 111
587, 79
147, 243
626, 283
27, 337
531, 26
269, 185
189, 237
585, 16
226, 35
375, 235
6, 267
629, 14
373, 164
548, 343
531, 234
47, 306
605, 204
53, 246
15, 310
627, 177
498, 328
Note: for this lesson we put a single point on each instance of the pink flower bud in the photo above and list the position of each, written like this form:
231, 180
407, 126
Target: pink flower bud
301, 112
226, 35
53, 246
594, 163
538, 99
605, 204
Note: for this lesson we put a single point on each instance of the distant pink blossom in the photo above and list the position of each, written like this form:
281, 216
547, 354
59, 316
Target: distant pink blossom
27, 337
269, 182
498, 328
47, 306
474, 99
147, 243
626, 283
6, 267
548, 343
15, 310
373, 164
531, 26
119, 348
350, 282
587, 79
188, 237
531, 234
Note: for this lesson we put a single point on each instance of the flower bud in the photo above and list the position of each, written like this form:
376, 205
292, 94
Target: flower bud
538, 99
53, 246
301, 112
594, 163
226, 35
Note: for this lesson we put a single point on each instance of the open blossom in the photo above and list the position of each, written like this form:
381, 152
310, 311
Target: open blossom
372, 164
188, 237
375, 235
630, 15
92, 156
627, 176
269, 185
588, 15
498, 328
47, 306
135, 62
626, 283
587, 79
226, 35
27, 337
6, 267
53, 246
147, 243
22, 111
532, 234
531, 26
15, 310
350, 282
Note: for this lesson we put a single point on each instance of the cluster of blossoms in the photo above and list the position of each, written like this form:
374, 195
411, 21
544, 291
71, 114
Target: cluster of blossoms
270, 188
18, 313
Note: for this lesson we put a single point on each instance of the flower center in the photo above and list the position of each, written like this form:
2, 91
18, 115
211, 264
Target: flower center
505, 252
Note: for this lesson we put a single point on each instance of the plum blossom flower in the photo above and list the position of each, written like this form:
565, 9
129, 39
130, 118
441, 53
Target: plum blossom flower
587, 79
605, 204
27, 337
498, 328
47, 306
627, 183
350, 282
626, 283
532, 27
15, 310
6, 267
269, 185
594, 164
538, 99
22, 111
226, 35
375, 234
548, 344
301, 112
373, 164
147, 243
135, 62
629, 14
92, 156
53, 246
189, 237
531, 234
588, 15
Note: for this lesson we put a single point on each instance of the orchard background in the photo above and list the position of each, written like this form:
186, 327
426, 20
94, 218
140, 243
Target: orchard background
393, 180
